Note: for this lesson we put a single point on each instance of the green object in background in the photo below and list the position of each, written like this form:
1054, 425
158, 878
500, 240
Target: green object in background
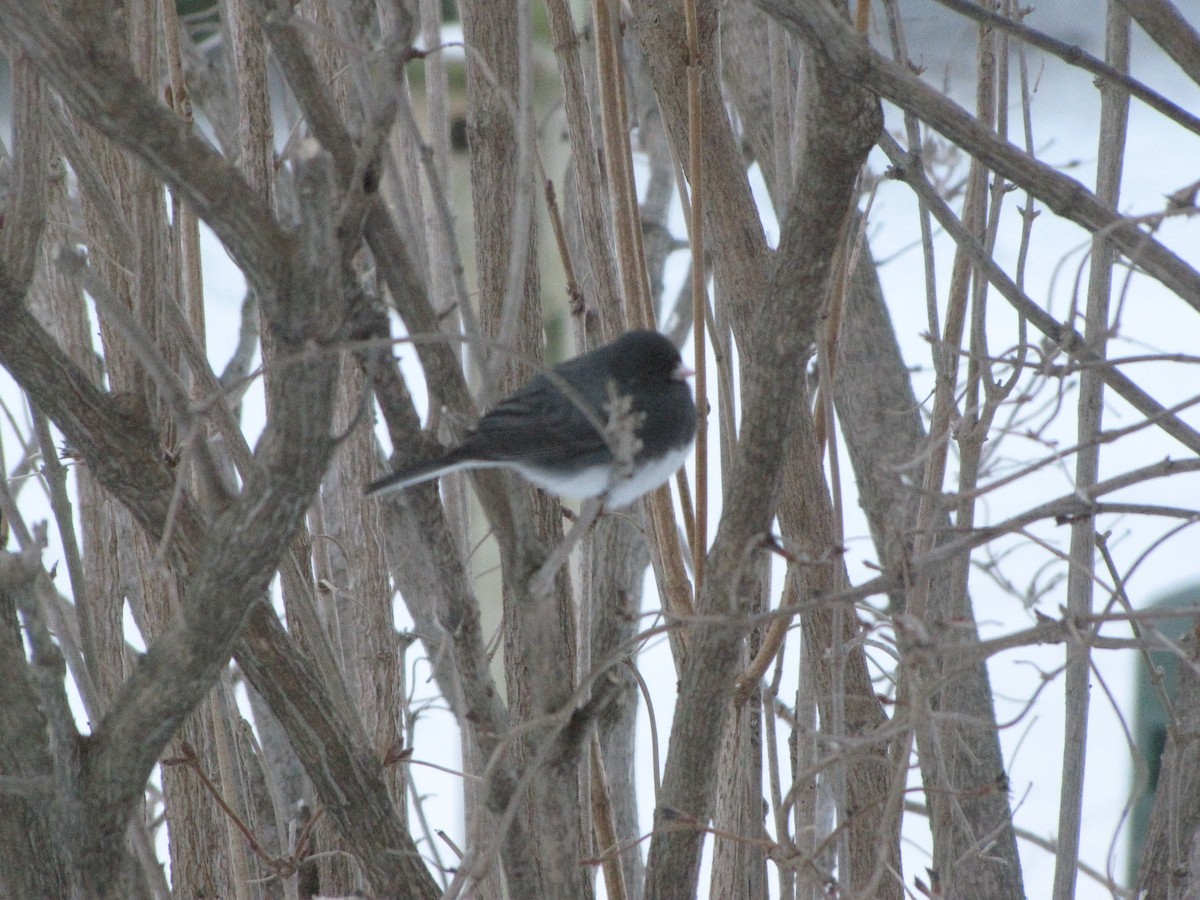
1149, 717
190, 7
201, 18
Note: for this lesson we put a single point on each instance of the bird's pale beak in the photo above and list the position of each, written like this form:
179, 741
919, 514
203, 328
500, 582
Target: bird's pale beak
682, 373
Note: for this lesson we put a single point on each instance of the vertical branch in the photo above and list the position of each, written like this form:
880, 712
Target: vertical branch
960, 757
841, 123
918, 678
782, 87
614, 123
1114, 113
913, 131
516, 284
676, 590
540, 635
813, 819
699, 289
604, 817
186, 228
185, 254
595, 212
25, 205
826, 437
42, 690
56, 481
58, 300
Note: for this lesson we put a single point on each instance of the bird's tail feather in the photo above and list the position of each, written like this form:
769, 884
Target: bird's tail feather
418, 473
412, 475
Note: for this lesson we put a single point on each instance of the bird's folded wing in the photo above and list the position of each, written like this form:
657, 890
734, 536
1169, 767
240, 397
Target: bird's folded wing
537, 426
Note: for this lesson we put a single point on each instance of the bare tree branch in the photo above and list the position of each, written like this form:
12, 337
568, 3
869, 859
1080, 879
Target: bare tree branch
1107, 74
102, 88
816, 22
1066, 338
1170, 30
786, 310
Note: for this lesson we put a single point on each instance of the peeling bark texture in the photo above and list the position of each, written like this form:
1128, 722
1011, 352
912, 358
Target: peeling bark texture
32, 862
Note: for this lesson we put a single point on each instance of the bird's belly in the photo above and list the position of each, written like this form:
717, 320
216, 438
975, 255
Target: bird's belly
582, 483
592, 481
648, 475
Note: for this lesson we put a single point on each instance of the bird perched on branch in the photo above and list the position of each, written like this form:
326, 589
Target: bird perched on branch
613, 423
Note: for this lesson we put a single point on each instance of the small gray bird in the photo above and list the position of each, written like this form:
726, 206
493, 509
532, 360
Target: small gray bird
541, 433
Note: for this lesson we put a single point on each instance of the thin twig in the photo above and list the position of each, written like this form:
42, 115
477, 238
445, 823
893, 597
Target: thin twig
1069, 340
695, 71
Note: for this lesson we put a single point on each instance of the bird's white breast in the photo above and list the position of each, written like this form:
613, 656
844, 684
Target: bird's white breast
646, 477
596, 480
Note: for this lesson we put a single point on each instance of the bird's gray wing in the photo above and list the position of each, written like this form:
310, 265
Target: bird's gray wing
539, 426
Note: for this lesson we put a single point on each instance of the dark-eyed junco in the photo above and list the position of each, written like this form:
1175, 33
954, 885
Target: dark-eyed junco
543, 433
